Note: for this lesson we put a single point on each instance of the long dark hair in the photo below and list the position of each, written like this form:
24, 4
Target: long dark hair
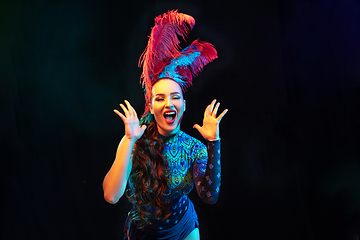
148, 176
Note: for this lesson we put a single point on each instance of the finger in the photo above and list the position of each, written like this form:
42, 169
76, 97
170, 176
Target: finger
212, 106
135, 114
216, 109
206, 111
125, 110
143, 127
197, 127
222, 115
200, 129
120, 115
131, 110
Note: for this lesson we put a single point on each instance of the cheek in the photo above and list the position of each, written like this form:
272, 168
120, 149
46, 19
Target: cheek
181, 108
156, 110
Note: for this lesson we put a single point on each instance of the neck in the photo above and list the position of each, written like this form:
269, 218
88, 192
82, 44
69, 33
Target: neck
165, 133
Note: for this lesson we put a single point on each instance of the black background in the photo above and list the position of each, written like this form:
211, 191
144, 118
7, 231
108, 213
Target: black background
288, 71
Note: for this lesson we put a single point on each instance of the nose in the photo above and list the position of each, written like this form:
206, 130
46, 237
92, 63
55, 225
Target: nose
169, 103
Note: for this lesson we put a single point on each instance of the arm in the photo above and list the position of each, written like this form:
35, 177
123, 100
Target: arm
116, 179
207, 175
208, 180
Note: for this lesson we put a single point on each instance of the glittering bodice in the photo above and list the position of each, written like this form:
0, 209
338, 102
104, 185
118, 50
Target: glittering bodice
185, 162
179, 154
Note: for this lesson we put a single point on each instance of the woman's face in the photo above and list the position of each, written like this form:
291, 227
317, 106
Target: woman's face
167, 105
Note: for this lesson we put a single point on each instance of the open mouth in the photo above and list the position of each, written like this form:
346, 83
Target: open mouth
170, 117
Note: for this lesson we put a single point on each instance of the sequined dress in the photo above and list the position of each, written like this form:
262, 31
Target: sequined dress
187, 162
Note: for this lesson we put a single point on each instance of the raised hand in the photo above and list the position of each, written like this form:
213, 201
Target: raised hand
210, 129
133, 130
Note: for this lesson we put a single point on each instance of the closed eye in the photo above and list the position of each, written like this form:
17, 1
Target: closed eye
176, 96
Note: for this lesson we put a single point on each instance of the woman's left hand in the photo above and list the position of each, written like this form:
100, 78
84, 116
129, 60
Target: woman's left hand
210, 129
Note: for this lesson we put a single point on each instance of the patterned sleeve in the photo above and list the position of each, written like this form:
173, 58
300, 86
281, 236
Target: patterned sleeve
207, 172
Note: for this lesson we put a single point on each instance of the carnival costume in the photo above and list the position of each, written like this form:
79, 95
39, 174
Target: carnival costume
186, 160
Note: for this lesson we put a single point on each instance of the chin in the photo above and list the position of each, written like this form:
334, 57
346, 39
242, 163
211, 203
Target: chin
166, 131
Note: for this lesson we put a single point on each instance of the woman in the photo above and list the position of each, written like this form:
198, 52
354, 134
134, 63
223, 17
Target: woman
158, 162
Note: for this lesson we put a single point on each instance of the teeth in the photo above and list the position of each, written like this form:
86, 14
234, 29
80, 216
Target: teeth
170, 116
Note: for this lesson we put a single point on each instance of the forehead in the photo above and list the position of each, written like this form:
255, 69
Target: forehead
166, 86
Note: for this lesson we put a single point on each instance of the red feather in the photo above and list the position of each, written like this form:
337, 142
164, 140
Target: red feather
163, 47
163, 44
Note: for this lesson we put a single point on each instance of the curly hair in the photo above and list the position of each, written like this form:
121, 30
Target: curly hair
148, 176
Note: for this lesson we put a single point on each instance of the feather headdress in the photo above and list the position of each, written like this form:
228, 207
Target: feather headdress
162, 57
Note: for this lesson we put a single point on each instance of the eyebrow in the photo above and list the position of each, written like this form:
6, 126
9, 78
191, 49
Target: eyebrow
163, 94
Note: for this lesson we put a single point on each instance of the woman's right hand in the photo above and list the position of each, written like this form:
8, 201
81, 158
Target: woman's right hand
133, 131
